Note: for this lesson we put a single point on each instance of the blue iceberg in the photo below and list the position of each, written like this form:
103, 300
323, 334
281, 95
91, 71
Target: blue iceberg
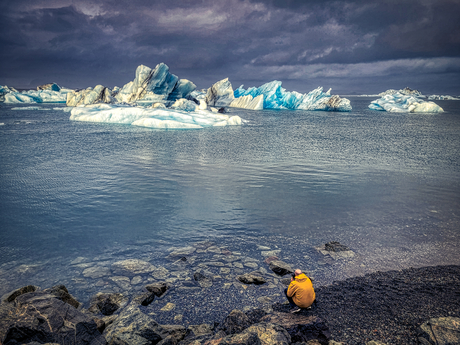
12, 96
276, 97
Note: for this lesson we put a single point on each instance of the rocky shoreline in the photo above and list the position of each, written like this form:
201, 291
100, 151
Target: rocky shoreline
379, 308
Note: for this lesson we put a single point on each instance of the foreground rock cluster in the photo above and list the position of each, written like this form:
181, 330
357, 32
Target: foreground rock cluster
414, 306
52, 316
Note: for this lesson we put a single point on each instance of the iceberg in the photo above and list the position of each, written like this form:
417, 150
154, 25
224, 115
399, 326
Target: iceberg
12, 96
276, 97
406, 91
156, 117
271, 96
98, 94
220, 94
154, 85
443, 97
403, 103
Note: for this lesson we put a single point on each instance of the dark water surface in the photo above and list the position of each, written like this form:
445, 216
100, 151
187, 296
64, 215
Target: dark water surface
386, 185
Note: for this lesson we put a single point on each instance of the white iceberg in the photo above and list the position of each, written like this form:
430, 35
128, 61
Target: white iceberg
276, 97
220, 94
403, 103
12, 96
443, 97
29, 108
100, 94
406, 91
152, 117
154, 85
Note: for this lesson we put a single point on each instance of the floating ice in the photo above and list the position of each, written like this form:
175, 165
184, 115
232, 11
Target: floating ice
100, 94
152, 117
403, 103
443, 97
276, 97
29, 108
271, 96
12, 96
154, 85
220, 94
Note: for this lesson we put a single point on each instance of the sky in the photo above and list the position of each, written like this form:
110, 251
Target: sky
353, 47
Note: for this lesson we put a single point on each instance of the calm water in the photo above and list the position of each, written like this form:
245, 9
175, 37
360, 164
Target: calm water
386, 185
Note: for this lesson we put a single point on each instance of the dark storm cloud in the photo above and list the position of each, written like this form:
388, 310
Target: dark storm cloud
344, 44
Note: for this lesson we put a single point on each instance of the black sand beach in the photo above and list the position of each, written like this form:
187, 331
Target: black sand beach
387, 306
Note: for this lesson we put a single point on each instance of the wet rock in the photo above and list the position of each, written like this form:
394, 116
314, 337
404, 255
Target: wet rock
270, 259
10, 297
153, 290
61, 292
183, 251
440, 331
336, 251
197, 334
269, 253
136, 280
203, 278
280, 267
160, 273
251, 265
168, 307
123, 282
96, 272
254, 277
133, 327
255, 315
158, 288
107, 303
175, 333
335, 247
41, 317
235, 322
259, 334
132, 267
301, 328
259, 247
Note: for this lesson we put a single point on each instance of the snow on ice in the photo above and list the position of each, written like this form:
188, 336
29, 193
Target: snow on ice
398, 102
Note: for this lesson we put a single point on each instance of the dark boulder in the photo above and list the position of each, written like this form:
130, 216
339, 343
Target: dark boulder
107, 303
301, 328
252, 278
153, 290
280, 267
42, 317
335, 247
133, 327
61, 292
235, 322
440, 331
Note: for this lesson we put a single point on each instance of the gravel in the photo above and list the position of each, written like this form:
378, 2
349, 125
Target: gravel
387, 306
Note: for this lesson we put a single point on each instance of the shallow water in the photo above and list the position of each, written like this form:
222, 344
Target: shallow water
386, 185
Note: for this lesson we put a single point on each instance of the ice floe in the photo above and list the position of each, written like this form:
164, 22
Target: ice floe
152, 117
404, 103
12, 96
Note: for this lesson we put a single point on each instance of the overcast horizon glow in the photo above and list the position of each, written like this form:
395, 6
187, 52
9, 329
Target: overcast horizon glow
353, 47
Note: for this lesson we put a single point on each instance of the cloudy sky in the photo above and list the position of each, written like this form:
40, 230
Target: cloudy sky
352, 46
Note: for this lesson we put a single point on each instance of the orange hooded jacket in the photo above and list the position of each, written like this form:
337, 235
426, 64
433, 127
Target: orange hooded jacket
301, 290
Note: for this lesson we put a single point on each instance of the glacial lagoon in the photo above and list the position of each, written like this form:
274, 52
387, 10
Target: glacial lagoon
78, 197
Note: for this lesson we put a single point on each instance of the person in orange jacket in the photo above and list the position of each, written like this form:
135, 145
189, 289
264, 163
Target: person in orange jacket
300, 292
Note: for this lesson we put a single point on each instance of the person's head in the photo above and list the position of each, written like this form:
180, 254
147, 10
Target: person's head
297, 272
